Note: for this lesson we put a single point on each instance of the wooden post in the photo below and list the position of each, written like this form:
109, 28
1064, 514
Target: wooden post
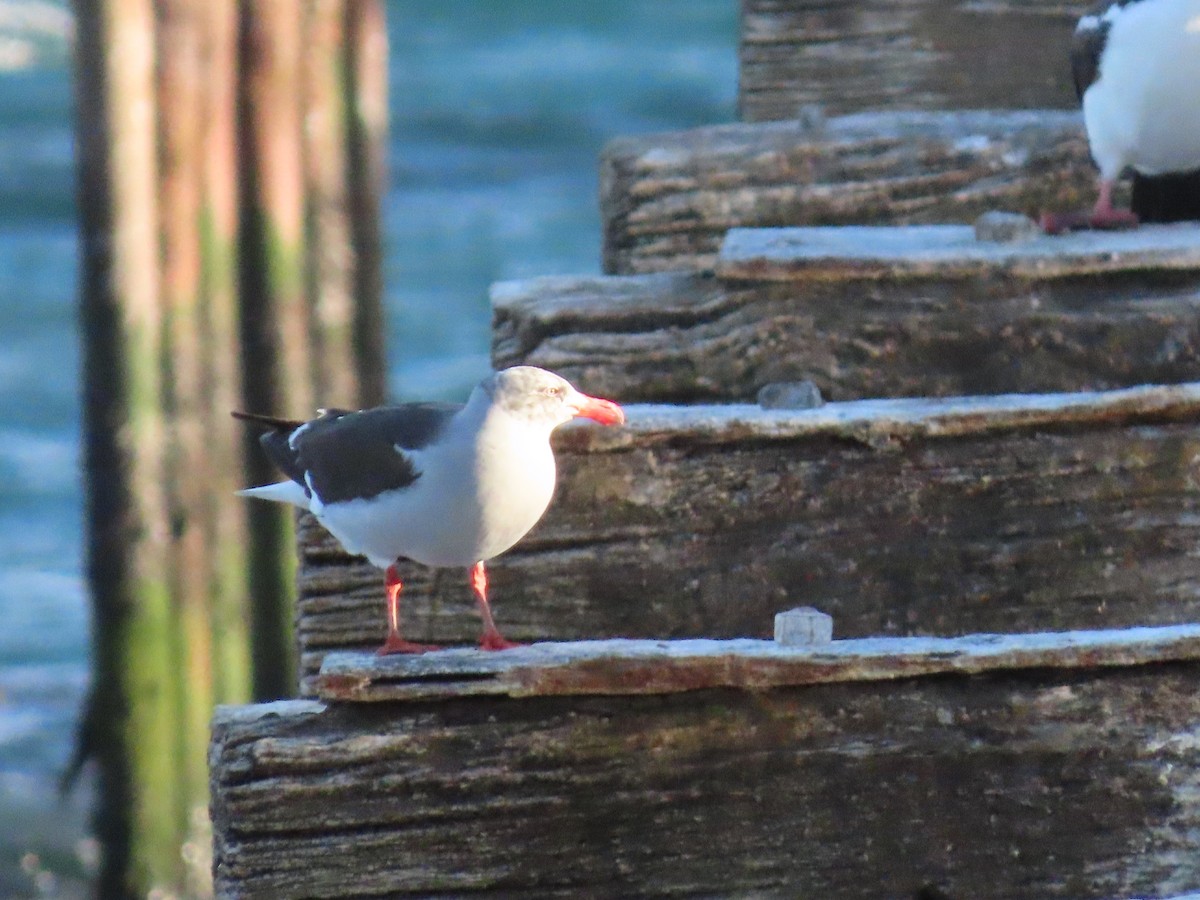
313, 114
172, 180
133, 720
344, 125
180, 67
221, 375
366, 108
276, 360
331, 262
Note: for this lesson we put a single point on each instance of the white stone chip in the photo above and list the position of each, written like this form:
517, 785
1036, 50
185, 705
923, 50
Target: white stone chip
803, 626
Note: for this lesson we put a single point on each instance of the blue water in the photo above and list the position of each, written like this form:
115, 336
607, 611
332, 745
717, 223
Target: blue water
499, 110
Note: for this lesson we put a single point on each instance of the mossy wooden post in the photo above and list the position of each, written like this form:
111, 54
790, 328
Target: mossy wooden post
192, 148
345, 95
366, 89
313, 112
186, 464
132, 720
275, 326
222, 370
197, 196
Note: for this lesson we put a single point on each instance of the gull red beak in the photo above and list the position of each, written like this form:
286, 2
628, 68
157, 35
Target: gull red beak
603, 411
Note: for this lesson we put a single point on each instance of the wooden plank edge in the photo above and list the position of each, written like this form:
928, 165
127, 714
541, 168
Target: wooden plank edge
867, 251
627, 667
880, 422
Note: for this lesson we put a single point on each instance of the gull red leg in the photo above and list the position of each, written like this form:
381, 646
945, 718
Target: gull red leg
394, 642
1102, 216
1105, 215
491, 639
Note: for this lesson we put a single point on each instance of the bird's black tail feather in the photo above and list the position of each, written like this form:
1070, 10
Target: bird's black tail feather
1167, 198
270, 421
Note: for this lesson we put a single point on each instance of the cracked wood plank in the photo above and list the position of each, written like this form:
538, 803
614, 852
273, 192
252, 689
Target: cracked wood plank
897, 517
870, 312
666, 200
1073, 782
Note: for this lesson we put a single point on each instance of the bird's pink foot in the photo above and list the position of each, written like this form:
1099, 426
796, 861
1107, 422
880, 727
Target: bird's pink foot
1060, 223
1112, 219
494, 640
1103, 216
396, 644
1089, 220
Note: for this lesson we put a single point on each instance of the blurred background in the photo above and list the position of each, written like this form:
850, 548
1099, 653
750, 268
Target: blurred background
499, 109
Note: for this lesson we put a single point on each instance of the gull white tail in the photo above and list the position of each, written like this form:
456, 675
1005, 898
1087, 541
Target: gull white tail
280, 492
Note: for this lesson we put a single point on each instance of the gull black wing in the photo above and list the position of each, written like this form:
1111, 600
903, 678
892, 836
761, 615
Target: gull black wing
348, 456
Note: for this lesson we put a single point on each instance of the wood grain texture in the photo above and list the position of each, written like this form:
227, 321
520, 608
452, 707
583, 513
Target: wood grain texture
666, 200
904, 54
1009, 514
1034, 783
870, 312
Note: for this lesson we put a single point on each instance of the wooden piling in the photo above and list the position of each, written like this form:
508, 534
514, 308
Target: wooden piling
182, 161
221, 375
366, 108
133, 718
313, 114
276, 365
181, 64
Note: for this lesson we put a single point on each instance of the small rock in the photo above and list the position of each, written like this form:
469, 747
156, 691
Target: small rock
790, 395
1005, 227
803, 626
811, 117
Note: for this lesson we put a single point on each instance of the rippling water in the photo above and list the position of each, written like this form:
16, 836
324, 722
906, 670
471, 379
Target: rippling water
499, 109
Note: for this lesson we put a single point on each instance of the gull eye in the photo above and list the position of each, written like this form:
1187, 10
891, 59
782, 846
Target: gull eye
557, 391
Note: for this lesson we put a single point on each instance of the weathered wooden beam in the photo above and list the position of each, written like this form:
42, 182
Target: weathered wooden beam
1068, 775
666, 200
630, 667
901, 517
872, 311
904, 54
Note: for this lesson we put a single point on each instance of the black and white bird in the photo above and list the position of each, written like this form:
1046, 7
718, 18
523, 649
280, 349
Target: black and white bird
1136, 65
440, 484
